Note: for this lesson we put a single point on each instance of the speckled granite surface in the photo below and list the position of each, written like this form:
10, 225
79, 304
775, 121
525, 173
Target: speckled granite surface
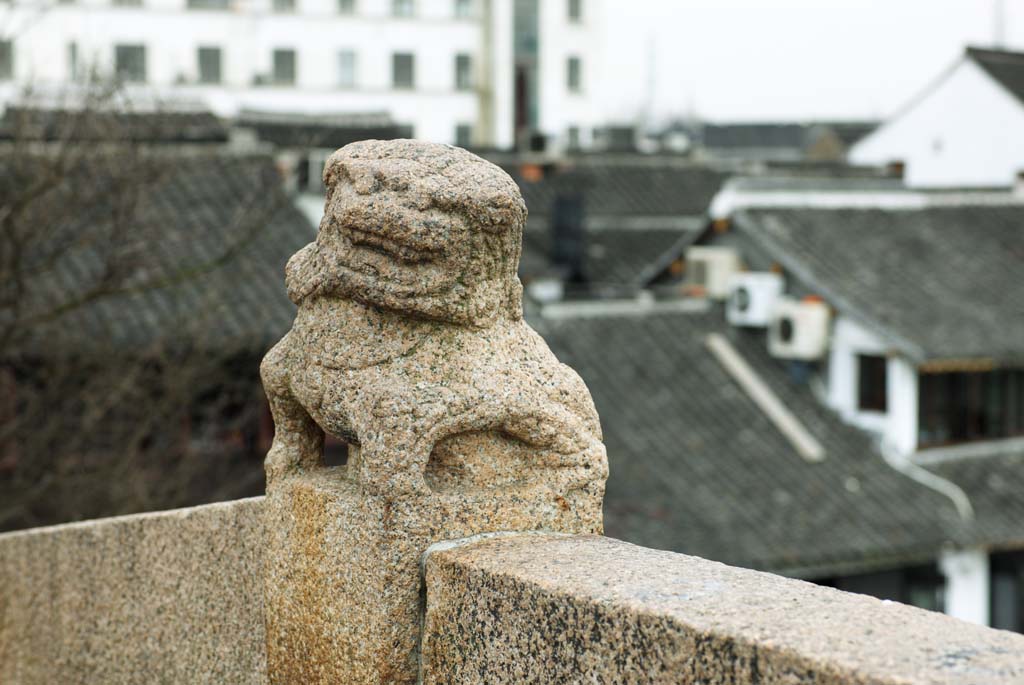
409, 344
588, 609
168, 597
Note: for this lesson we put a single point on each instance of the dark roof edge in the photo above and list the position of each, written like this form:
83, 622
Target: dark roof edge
823, 569
743, 221
652, 270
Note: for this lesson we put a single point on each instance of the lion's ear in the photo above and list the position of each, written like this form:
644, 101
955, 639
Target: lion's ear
303, 273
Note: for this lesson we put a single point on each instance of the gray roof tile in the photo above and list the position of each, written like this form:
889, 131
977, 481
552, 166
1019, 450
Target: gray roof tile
941, 282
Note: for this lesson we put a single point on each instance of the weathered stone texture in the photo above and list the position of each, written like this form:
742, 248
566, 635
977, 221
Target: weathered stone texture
170, 597
410, 344
587, 609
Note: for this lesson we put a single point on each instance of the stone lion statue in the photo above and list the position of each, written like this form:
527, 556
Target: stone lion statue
410, 344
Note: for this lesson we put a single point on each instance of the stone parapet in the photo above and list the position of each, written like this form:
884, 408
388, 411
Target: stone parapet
169, 597
588, 609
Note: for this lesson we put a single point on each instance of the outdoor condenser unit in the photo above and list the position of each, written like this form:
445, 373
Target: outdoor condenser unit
799, 329
710, 268
752, 298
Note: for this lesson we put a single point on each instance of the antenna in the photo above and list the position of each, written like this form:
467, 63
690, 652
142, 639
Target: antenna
999, 24
647, 117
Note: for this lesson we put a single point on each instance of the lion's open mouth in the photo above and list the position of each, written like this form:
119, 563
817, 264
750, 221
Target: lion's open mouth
391, 248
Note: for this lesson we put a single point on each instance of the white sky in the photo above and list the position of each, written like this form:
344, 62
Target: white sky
736, 60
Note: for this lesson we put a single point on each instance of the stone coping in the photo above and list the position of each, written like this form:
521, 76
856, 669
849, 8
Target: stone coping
177, 596
164, 597
532, 608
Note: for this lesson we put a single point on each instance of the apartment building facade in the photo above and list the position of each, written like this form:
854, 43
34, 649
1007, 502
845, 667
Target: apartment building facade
455, 71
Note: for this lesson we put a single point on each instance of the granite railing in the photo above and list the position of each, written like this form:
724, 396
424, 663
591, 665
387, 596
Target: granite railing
178, 597
410, 344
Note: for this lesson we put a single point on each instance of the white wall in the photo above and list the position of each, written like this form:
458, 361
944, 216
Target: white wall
898, 425
967, 584
560, 39
250, 30
967, 131
247, 34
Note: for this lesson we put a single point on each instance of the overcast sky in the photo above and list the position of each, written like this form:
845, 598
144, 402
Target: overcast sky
787, 59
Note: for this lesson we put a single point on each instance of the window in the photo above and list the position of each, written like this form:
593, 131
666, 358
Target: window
130, 63
872, 383
1007, 591
73, 61
284, 5
403, 70
463, 9
346, 6
463, 72
208, 4
6, 60
209, 65
575, 11
920, 586
347, 69
964, 406
574, 69
403, 8
284, 67
464, 135
573, 137
128, 3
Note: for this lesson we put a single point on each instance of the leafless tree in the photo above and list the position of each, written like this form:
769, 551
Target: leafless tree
118, 391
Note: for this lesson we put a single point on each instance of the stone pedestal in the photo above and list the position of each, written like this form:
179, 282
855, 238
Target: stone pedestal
344, 596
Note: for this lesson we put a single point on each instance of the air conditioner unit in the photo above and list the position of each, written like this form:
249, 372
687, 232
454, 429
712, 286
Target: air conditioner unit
710, 268
752, 298
799, 329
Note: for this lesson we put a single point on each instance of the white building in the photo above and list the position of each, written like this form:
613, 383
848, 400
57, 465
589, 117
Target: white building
965, 130
918, 342
457, 71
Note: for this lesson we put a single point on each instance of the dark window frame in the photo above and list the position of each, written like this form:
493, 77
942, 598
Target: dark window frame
463, 71
278, 76
574, 74
574, 11
6, 60
968, 406
348, 79
403, 8
207, 77
396, 65
872, 383
127, 72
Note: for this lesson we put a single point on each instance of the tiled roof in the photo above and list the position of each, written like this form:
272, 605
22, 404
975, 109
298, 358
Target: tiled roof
754, 135
223, 233
939, 282
618, 187
197, 126
696, 467
635, 208
1005, 67
616, 261
994, 485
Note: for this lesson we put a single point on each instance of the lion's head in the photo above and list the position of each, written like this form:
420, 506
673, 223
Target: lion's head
421, 228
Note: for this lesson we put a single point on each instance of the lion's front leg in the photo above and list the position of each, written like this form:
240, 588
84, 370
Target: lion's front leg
298, 440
